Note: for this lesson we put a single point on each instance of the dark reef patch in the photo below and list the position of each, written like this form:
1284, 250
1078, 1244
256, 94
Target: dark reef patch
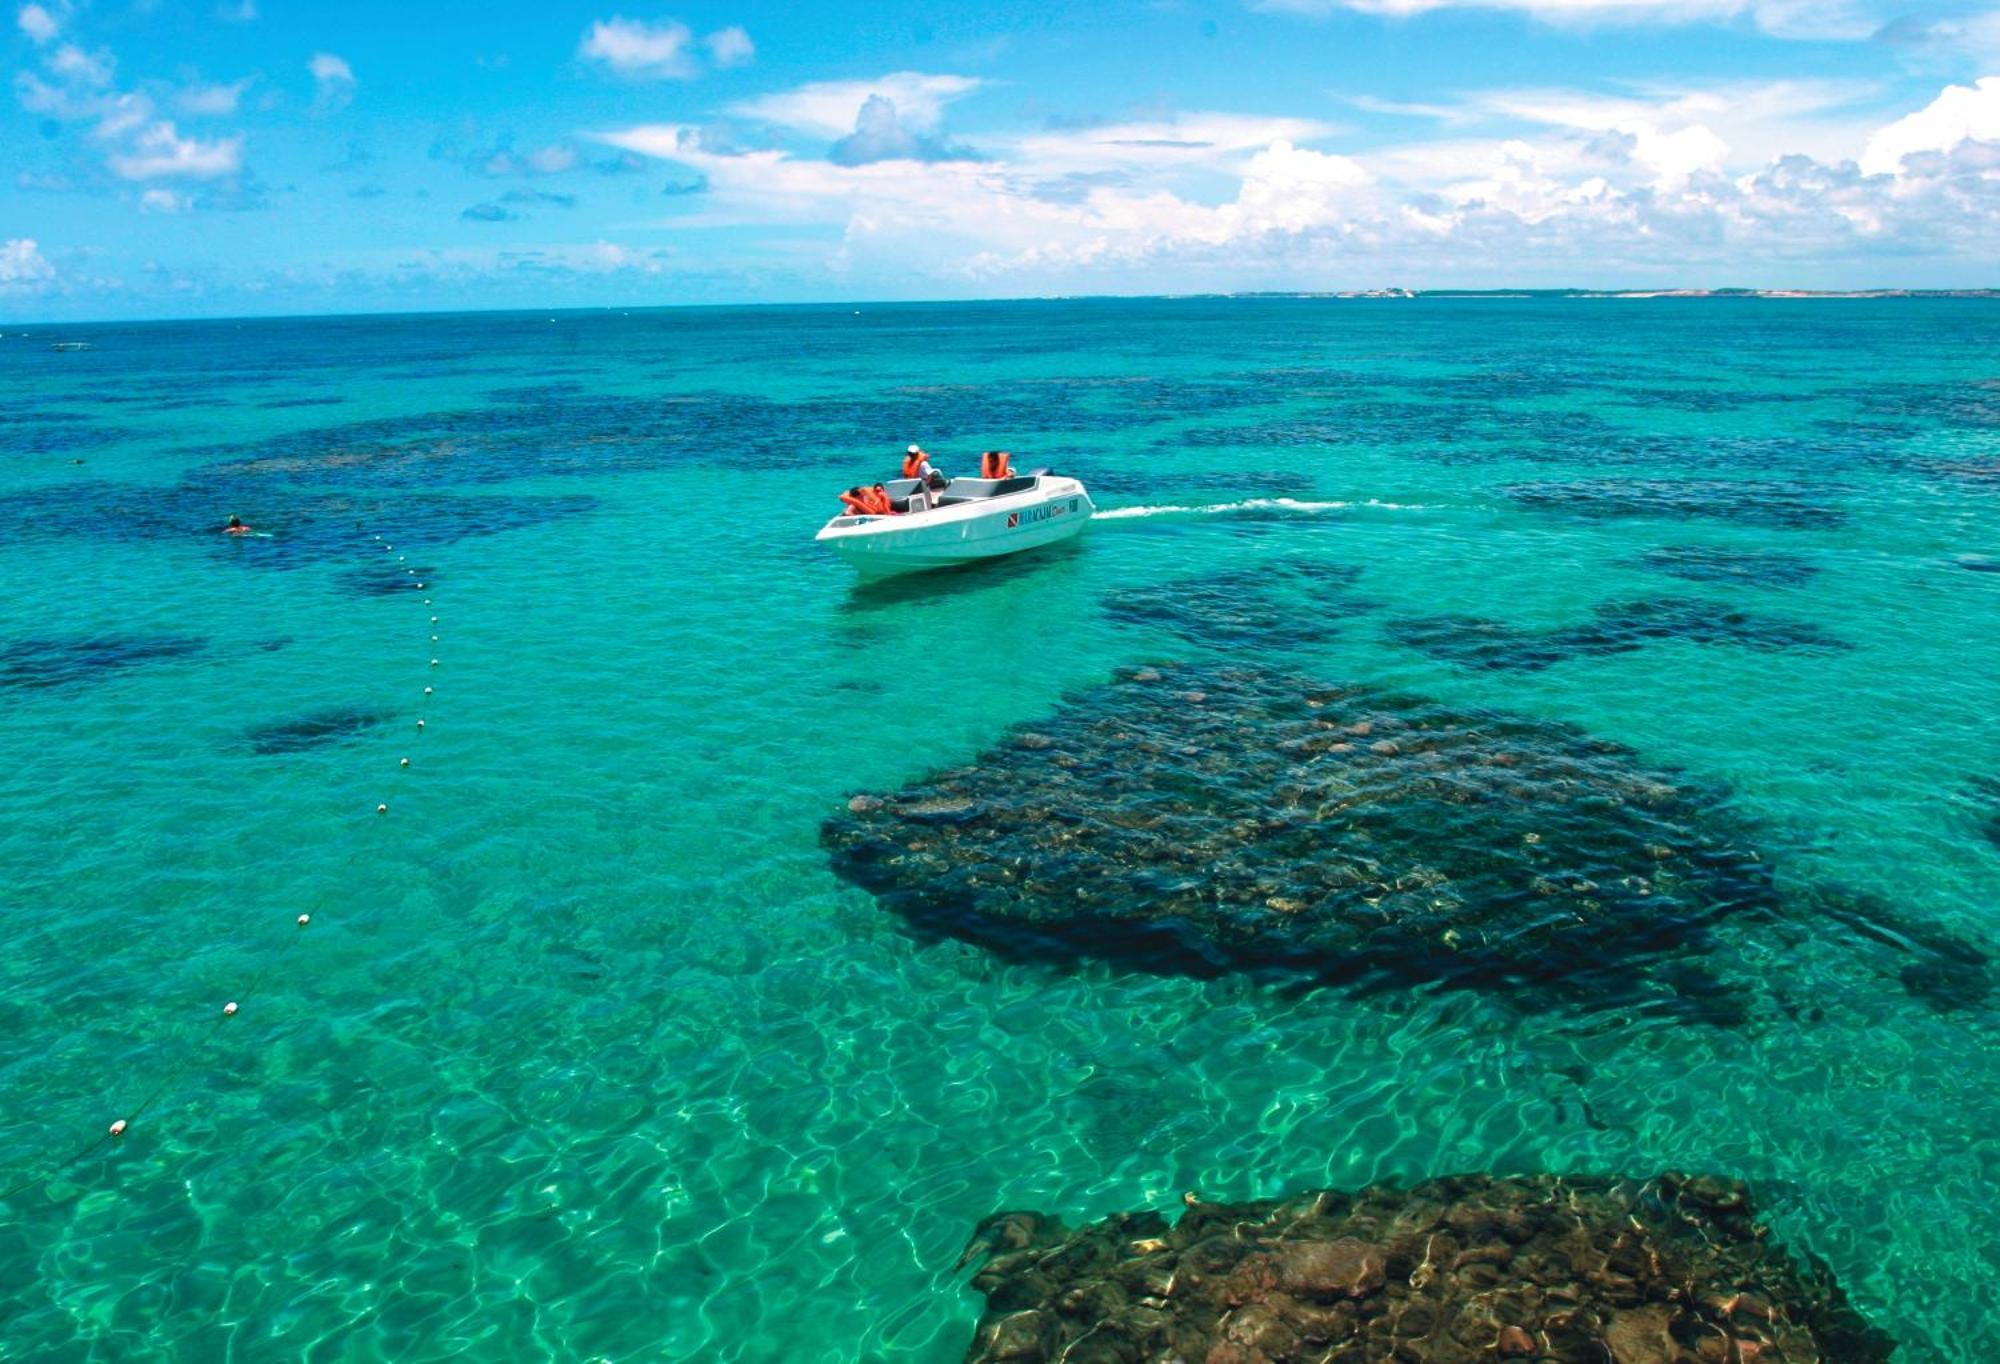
1287, 601
1450, 1271
1739, 567
46, 663
1785, 506
1208, 819
304, 526
1614, 628
313, 731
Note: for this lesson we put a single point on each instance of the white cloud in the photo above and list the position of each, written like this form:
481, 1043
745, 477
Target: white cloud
22, 268
238, 12
553, 159
160, 152
164, 201
333, 81
1960, 113
211, 101
72, 64
40, 25
730, 46
829, 108
1808, 19
641, 51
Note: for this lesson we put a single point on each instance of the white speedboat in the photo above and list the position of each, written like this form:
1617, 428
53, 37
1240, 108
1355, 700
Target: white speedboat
969, 519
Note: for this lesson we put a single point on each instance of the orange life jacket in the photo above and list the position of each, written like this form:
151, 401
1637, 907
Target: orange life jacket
878, 503
913, 465
993, 464
861, 505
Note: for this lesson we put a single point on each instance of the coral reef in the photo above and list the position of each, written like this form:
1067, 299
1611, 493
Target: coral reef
1614, 628
1785, 506
1203, 819
313, 731
1738, 567
43, 663
1295, 601
1674, 1270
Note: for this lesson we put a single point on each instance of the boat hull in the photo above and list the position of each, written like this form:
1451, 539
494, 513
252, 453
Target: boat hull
877, 546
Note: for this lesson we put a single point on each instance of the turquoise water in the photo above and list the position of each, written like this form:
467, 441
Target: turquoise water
586, 1054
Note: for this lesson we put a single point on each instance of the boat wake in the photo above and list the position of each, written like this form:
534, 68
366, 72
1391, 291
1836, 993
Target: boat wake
1256, 504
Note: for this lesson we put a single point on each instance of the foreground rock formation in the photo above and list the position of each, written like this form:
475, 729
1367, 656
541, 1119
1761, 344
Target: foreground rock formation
1671, 1271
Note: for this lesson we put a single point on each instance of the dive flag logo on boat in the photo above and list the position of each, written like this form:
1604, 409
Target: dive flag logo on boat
1013, 520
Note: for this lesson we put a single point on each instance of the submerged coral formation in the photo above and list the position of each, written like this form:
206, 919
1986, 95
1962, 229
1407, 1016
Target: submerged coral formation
1295, 600
1614, 628
1720, 564
1674, 1270
1205, 819
40, 663
313, 731
1783, 506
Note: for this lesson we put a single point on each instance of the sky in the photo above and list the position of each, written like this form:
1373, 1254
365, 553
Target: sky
180, 158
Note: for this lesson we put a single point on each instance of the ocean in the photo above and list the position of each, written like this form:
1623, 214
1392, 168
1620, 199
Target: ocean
589, 1050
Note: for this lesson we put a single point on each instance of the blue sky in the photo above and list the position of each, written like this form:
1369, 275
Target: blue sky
229, 157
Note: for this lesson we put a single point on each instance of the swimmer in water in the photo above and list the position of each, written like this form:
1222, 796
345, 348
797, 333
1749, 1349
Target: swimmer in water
236, 527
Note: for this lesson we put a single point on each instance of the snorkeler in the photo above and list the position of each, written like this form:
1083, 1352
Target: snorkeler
236, 527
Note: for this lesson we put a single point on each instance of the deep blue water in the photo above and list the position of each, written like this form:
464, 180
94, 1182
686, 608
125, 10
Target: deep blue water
588, 1053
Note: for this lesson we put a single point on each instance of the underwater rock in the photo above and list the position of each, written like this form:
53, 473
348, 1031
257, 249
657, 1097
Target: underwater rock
313, 731
1786, 506
1283, 602
1718, 564
1614, 628
1934, 965
43, 663
1214, 819
1672, 1270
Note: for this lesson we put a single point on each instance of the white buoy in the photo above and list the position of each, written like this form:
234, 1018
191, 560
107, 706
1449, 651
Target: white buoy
434, 620
381, 809
305, 919
229, 1009
434, 663
434, 639
406, 762
427, 691
118, 1128
420, 724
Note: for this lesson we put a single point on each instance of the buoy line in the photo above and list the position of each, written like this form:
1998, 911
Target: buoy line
122, 1123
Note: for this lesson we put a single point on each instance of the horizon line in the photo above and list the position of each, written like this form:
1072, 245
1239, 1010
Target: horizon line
1370, 295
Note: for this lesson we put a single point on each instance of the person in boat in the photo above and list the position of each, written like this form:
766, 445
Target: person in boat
996, 464
883, 506
236, 527
930, 481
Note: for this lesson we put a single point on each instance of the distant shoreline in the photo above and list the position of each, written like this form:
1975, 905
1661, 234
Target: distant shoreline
16, 329
1629, 293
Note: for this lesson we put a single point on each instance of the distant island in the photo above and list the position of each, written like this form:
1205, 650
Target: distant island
1625, 293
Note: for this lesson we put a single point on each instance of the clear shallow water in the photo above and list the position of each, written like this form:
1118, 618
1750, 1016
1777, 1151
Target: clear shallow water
587, 1054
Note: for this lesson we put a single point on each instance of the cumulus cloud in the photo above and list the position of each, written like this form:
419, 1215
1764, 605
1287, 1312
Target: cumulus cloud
831, 109
333, 81
41, 26
730, 46
879, 135
164, 201
158, 151
1960, 113
1656, 183
23, 268
1845, 20
211, 101
638, 50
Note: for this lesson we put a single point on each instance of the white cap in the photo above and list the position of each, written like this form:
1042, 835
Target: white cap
915, 450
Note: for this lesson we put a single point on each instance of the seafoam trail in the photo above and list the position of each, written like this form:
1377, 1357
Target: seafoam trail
1289, 504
